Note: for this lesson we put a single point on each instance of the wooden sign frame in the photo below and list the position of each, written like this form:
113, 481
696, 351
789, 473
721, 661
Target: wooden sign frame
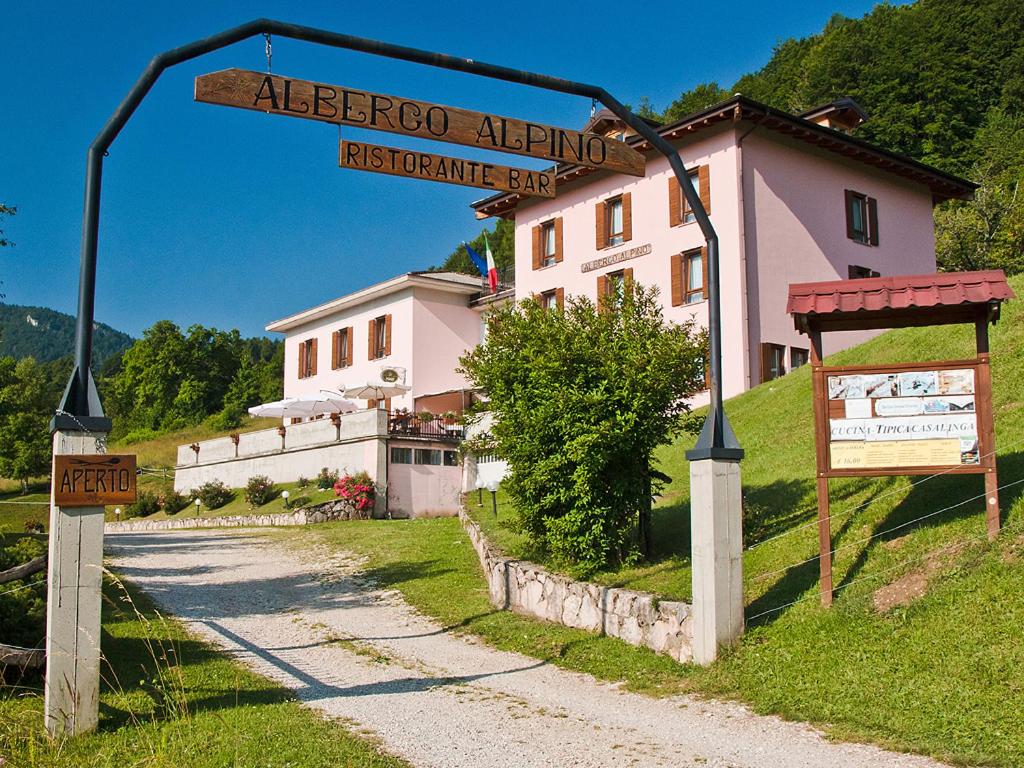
265, 92
981, 365
94, 480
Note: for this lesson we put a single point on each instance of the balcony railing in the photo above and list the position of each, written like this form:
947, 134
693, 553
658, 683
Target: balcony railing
436, 427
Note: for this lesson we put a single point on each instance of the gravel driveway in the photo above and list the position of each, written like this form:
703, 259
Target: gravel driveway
436, 699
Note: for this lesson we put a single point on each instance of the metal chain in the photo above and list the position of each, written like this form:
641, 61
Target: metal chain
268, 48
101, 439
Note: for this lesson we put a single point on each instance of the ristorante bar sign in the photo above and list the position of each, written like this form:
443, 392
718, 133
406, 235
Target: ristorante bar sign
349, 106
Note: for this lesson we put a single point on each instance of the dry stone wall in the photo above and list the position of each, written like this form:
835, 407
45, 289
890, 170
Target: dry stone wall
320, 513
635, 617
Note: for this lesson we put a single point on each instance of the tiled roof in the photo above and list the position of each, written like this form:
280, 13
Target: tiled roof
905, 292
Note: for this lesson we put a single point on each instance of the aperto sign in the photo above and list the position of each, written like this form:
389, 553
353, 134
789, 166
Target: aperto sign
93, 480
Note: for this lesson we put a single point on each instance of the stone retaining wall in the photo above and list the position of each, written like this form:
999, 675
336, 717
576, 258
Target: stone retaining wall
319, 513
635, 617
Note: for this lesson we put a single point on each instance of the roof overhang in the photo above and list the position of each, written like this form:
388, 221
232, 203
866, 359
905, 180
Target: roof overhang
468, 287
873, 303
943, 186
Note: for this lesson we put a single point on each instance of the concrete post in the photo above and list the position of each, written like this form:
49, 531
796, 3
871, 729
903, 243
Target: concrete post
716, 531
75, 576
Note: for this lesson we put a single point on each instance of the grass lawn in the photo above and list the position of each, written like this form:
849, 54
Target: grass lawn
170, 701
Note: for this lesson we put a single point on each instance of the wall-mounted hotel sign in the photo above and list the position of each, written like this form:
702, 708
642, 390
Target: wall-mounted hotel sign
349, 106
615, 258
451, 170
86, 480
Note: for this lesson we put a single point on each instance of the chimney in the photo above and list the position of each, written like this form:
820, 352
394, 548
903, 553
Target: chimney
843, 114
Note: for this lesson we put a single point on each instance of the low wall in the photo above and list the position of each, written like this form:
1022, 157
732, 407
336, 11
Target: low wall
319, 513
635, 617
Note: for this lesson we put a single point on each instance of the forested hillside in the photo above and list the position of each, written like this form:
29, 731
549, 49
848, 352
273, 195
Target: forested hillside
943, 82
47, 335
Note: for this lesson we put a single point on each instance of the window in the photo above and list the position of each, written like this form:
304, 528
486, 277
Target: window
773, 361
341, 348
694, 276
797, 357
547, 243
614, 218
552, 299
428, 456
861, 218
679, 210
614, 221
380, 337
856, 272
547, 236
451, 458
401, 455
613, 285
307, 358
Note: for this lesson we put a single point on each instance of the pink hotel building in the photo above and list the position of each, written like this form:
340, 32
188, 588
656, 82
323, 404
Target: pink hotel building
792, 198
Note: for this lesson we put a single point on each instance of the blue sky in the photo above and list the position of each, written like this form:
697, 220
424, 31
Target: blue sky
230, 218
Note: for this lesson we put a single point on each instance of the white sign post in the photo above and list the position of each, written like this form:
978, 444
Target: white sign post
75, 579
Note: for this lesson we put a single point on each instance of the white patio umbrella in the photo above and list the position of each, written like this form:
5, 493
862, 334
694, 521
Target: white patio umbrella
376, 390
276, 409
325, 402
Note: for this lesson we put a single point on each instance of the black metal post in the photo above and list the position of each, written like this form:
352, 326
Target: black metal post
81, 406
494, 502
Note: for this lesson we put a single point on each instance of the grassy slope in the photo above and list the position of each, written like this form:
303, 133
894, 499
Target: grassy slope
940, 675
232, 716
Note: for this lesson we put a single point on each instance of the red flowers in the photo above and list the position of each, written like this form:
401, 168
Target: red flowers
357, 490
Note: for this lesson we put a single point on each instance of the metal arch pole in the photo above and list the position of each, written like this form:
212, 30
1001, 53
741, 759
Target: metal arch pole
81, 407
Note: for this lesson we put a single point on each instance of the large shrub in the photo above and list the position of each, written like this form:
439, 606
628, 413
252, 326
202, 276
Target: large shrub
173, 501
580, 400
145, 504
23, 610
259, 490
214, 494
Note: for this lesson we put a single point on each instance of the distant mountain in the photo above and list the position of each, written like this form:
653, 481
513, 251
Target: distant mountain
47, 335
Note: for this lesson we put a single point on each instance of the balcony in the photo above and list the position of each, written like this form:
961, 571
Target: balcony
434, 428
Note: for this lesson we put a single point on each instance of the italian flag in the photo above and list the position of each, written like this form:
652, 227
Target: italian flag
492, 270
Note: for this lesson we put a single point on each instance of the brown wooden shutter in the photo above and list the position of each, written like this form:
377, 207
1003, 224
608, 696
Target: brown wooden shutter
373, 336
676, 261
312, 356
600, 212
371, 403
627, 276
558, 239
536, 247
302, 373
350, 335
849, 215
387, 335
765, 361
704, 267
675, 208
560, 296
602, 290
872, 221
335, 339
704, 186
627, 216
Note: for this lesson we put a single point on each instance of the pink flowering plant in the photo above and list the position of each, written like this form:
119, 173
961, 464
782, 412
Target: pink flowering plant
358, 492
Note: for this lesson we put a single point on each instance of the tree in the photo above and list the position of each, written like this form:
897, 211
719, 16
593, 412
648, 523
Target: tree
580, 399
25, 411
6, 210
502, 241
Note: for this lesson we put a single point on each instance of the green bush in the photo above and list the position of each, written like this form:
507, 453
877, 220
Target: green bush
581, 398
173, 502
259, 490
298, 502
139, 436
145, 504
302, 483
214, 494
22, 611
326, 478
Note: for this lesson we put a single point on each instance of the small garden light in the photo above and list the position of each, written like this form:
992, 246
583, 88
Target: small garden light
285, 495
117, 512
480, 485
198, 504
493, 488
